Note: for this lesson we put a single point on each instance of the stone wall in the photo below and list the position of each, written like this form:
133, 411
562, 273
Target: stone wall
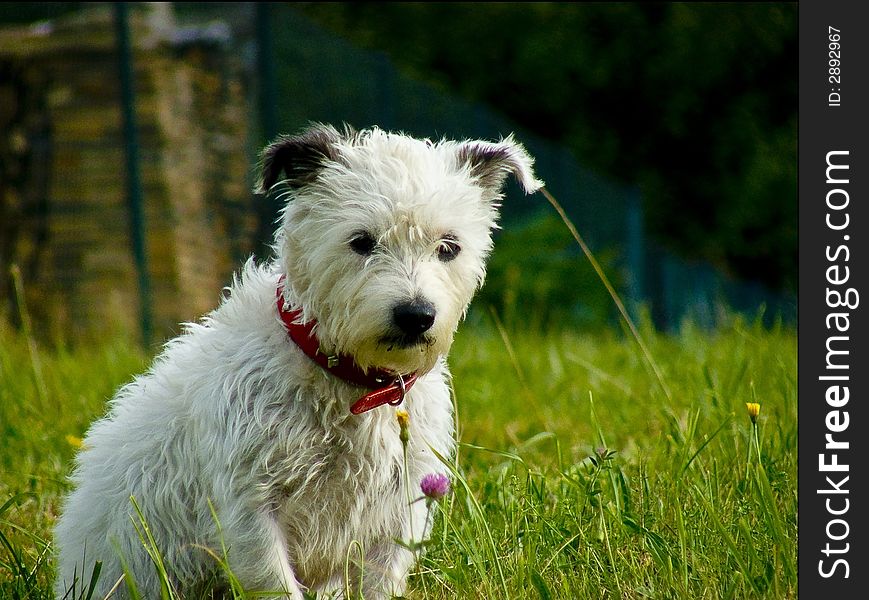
64, 216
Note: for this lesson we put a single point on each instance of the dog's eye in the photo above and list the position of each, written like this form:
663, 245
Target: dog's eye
363, 243
448, 249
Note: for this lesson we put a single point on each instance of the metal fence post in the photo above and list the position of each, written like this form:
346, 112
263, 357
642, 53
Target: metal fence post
133, 180
635, 251
265, 205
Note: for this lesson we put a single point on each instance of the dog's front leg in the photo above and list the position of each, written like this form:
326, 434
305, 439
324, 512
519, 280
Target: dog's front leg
385, 570
387, 563
257, 553
380, 575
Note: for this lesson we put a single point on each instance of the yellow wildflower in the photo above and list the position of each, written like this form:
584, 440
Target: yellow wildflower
403, 423
753, 410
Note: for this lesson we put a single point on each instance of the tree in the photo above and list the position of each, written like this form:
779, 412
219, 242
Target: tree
695, 103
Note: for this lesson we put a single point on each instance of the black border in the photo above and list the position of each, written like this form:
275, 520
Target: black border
823, 129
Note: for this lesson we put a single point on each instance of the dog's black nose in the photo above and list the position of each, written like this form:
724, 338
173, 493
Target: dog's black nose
415, 317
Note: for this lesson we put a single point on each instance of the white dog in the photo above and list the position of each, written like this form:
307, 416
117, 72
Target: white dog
274, 411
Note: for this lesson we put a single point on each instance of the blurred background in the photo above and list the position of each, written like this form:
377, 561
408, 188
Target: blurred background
129, 135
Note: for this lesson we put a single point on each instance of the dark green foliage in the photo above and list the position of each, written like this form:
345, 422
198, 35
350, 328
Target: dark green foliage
537, 277
695, 103
27, 12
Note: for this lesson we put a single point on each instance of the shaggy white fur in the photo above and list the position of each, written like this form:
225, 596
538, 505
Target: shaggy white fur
232, 415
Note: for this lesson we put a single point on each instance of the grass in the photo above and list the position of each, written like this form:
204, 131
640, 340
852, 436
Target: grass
45, 407
602, 486
577, 476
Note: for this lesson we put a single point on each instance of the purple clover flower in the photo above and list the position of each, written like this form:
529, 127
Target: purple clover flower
435, 486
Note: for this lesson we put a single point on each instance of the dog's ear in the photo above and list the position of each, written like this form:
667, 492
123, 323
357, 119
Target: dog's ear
298, 157
491, 162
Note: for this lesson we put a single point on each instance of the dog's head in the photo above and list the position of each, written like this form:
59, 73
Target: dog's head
384, 237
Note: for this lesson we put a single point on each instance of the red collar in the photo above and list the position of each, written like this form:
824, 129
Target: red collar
388, 387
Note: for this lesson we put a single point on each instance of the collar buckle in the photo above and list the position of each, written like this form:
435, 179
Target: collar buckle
403, 391
388, 388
